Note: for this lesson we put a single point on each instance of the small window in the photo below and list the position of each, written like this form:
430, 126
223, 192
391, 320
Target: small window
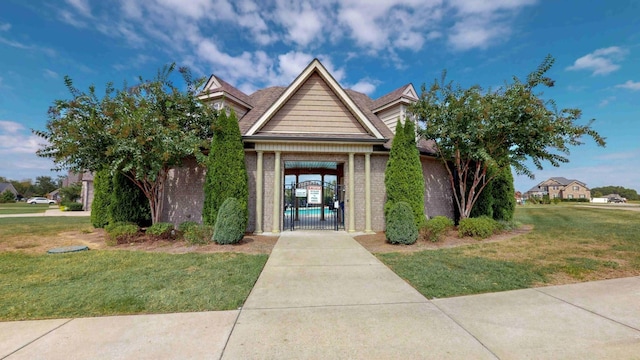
582, 196
555, 196
576, 188
570, 196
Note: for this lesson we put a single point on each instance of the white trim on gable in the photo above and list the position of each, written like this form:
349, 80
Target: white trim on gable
410, 91
212, 83
315, 66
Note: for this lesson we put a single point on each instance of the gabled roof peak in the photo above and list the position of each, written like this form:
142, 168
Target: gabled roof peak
315, 66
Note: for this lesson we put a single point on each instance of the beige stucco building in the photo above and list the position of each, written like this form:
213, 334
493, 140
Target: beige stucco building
313, 126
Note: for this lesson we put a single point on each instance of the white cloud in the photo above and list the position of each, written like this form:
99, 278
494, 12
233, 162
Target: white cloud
82, 6
230, 38
5, 27
630, 85
365, 86
18, 148
10, 127
606, 101
600, 62
50, 74
481, 24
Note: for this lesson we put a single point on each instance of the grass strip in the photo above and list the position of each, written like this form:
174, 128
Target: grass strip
568, 244
22, 208
446, 273
41, 225
98, 283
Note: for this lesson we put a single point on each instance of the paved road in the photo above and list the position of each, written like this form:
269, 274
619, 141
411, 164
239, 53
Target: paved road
323, 296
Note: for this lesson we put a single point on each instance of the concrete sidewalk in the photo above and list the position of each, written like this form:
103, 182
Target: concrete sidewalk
323, 296
52, 211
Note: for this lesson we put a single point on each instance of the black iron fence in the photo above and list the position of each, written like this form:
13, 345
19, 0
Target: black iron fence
313, 205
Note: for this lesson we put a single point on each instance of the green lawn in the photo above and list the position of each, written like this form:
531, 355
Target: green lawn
16, 228
34, 285
98, 283
568, 244
22, 208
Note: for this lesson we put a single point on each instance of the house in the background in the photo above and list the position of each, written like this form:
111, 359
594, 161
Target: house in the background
7, 186
560, 188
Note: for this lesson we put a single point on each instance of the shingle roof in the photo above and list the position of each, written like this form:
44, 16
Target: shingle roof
390, 97
229, 89
7, 186
263, 99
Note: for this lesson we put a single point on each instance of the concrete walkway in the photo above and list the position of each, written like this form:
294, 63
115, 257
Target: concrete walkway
52, 211
323, 296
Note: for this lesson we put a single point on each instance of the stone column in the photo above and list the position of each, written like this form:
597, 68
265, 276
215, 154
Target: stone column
275, 227
352, 193
367, 193
259, 194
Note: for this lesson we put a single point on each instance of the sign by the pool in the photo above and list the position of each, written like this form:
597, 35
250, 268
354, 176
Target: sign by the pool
314, 194
301, 192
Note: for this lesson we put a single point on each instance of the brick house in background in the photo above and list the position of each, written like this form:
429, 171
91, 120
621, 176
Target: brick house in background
560, 188
313, 127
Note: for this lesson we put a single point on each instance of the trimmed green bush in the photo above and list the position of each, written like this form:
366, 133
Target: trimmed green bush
435, 227
403, 179
481, 227
161, 230
102, 183
184, 226
484, 205
7, 197
401, 225
198, 234
230, 223
226, 170
503, 193
121, 233
128, 203
73, 206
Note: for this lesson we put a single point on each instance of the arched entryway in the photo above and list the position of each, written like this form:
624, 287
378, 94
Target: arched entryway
313, 195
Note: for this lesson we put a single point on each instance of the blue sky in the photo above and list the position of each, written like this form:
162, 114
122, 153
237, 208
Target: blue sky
370, 46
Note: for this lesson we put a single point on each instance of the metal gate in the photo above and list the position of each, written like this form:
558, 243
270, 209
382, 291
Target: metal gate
313, 205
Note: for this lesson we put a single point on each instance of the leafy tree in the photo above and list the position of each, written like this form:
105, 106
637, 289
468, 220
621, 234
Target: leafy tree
71, 193
226, 170
403, 178
473, 129
102, 190
24, 187
140, 131
7, 197
629, 194
44, 185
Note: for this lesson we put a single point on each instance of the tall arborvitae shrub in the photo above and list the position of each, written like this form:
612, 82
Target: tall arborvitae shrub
128, 202
226, 170
403, 178
102, 184
503, 193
